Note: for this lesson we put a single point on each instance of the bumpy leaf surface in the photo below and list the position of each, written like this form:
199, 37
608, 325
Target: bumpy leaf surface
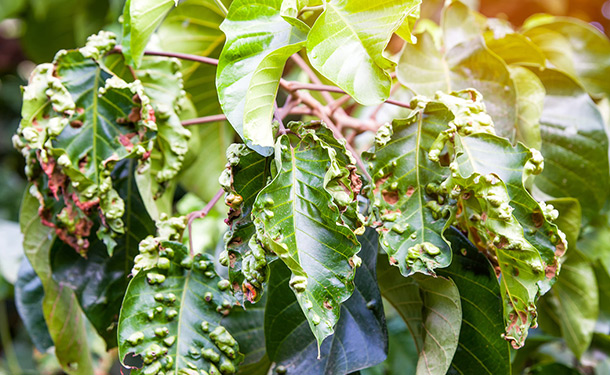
297, 217
247, 173
406, 198
361, 30
171, 316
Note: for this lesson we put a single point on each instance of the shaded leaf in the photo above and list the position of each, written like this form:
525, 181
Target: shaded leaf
298, 218
62, 313
481, 348
361, 30
406, 195
289, 340
171, 316
530, 102
432, 310
29, 293
99, 282
514, 48
259, 40
140, 19
574, 144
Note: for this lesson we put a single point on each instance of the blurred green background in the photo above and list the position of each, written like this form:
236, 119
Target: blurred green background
31, 31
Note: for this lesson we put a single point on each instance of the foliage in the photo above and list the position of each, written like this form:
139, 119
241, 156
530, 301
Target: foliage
477, 213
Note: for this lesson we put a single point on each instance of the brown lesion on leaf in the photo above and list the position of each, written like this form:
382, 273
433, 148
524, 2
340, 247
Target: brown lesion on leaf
391, 197
550, 271
56, 179
538, 218
250, 292
410, 191
380, 182
327, 305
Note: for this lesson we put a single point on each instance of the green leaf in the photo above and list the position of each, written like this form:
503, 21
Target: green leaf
29, 293
193, 28
247, 327
259, 40
574, 298
574, 47
99, 281
514, 48
359, 30
62, 313
468, 64
162, 83
140, 19
530, 102
171, 316
405, 31
481, 348
247, 173
290, 343
297, 217
81, 120
574, 144
404, 199
432, 310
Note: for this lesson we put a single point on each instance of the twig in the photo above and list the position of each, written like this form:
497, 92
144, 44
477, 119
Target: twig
222, 7
178, 55
201, 214
204, 120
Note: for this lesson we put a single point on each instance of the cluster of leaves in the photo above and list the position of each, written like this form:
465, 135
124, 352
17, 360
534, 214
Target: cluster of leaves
466, 214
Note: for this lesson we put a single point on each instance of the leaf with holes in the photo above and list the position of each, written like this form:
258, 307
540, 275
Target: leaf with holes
259, 41
298, 218
432, 310
406, 198
171, 316
247, 173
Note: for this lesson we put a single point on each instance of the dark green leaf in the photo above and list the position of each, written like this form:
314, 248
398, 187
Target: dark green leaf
481, 348
432, 310
259, 41
361, 30
574, 144
62, 313
29, 294
297, 216
360, 338
99, 282
171, 316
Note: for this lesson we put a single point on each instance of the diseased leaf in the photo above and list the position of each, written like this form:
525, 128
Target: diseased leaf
290, 343
78, 121
29, 293
574, 47
406, 198
432, 310
140, 19
259, 40
574, 144
359, 30
99, 282
481, 348
297, 217
247, 173
463, 63
62, 313
171, 315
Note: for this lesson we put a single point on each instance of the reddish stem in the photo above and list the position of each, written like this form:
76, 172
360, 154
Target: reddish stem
201, 214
